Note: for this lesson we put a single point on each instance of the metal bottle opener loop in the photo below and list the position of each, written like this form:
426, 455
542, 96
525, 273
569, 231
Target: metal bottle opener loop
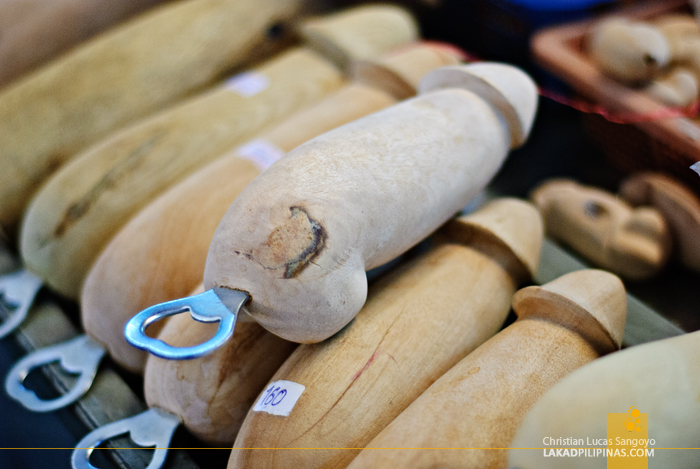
80, 355
153, 427
18, 290
217, 304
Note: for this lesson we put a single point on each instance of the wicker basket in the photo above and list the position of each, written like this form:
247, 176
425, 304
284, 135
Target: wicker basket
669, 145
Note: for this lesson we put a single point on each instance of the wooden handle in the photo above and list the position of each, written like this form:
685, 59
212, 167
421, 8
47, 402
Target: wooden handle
85, 203
401, 72
660, 379
212, 395
120, 77
350, 200
605, 230
679, 206
138, 269
363, 32
418, 321
480, 402
35, 31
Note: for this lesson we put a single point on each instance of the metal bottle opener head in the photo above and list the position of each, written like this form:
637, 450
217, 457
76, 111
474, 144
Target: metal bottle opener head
17, 290
153, 427
216, 305
80, 355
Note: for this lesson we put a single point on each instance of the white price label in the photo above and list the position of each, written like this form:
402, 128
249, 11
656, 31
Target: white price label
248, 84
261, 153
279, 398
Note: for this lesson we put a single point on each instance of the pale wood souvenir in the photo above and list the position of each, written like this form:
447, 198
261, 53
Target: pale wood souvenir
160, 254
418, 322
660, 380
120, 77
481, 401
603, 229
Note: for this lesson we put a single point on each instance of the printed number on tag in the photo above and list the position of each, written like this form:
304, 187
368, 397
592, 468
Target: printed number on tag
279, 398
248, 84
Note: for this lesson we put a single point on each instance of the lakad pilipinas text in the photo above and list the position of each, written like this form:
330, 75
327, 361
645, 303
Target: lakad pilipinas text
627, 444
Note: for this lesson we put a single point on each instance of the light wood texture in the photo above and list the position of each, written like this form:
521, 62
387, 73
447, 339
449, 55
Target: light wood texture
660, 378
677, 25
481, 401
122, 76
86, 202
355, 198
634, 243
679, 206
364, 32
400, 73
676, 89
160, 254
630, 51
35, 31
139, 267
213, 394
418, 321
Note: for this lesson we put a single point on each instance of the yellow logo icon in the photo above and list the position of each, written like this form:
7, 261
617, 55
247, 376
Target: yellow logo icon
628, 440
632, 424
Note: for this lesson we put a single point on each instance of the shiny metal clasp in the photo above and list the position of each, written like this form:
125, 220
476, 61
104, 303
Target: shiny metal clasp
153, 427
80, 355
216, 305
17, 291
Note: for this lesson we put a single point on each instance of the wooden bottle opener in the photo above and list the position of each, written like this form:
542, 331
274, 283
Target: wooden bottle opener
125, 276
160, 254
417, 323
299, 64
481, 401
212, 404
303, 252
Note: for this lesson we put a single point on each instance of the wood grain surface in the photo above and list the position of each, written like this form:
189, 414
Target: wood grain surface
480, 402
36, 31
418, 321
86, 202
124, 75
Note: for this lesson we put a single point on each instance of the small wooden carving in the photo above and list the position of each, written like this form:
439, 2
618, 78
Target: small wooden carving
301, 236
679, 206
630, 51
634, 243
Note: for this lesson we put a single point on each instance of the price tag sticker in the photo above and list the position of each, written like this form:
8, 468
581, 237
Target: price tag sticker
248, 84
261, 153
279, 398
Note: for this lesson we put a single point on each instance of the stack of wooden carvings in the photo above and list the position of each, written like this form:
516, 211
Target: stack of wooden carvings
134, 175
